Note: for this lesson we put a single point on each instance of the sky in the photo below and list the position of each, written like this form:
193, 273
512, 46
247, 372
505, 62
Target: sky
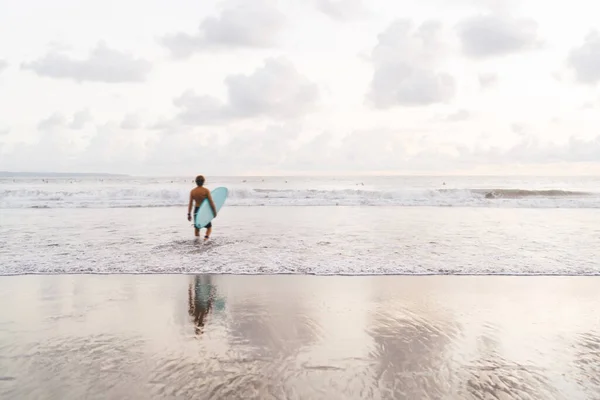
269, 87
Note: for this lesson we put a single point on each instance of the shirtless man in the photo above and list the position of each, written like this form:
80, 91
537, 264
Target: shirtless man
198, 195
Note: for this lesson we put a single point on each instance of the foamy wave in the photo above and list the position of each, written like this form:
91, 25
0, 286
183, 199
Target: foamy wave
110, 197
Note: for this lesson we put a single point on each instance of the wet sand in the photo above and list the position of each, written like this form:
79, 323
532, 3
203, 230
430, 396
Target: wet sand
299, 337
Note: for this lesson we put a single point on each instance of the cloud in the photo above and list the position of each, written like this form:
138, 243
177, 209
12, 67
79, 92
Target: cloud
130, 122
578, 150
342, 10
267, 148
276, 148
405, 67
360, 150
585, 59
374, 150
164, 124
310, 155
495, 35
102, 147
487, 79
58, 120
3, 65
102, 65
109, 145
275, 90
4, 131
530, 151
54, 121
460, 115
80, 119
200, 109
246, 24
588, 105
519, 129
457, 116
232, 151
370, 150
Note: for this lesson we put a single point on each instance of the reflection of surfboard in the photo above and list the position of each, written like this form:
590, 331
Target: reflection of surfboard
205, 214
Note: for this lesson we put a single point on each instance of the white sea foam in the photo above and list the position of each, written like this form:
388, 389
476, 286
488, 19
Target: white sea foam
303, 240
55, 196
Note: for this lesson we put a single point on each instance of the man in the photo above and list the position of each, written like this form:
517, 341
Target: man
198, 195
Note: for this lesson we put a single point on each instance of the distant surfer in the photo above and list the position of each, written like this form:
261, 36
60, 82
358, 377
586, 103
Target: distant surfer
198, 194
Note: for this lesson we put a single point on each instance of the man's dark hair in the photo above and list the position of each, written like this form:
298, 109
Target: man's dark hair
199, 180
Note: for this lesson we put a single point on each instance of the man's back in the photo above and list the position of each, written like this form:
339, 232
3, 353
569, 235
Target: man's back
199, 194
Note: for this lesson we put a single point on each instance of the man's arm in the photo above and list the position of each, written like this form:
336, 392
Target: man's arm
212, 204
189, 215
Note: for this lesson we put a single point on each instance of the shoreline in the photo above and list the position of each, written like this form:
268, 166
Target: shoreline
341, 275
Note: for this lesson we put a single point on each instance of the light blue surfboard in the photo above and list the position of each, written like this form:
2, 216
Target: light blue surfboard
205, 213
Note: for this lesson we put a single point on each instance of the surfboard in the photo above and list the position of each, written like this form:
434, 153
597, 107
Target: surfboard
205, 213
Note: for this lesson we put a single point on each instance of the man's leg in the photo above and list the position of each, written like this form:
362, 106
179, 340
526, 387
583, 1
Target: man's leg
196, 230
208, 230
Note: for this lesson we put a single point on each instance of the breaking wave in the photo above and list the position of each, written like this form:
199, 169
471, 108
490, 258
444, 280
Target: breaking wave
110, 197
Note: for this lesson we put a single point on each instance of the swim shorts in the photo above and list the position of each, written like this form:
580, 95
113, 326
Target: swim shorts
196, 212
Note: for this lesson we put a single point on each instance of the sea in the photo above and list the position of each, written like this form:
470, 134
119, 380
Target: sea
360, 225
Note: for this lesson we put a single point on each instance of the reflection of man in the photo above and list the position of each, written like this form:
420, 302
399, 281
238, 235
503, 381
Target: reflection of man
201, 296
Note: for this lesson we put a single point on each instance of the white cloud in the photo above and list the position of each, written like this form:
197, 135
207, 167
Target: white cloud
460, 115
405, 63
130, 122
311, 155
56, 120
497, 35
368, 151
245, 24
110, 145
200, 109
276, 148
531, 150
588, 105
56, 149
487, 79
274, 90
164, 124
267, 148
343, 10
585, 59
455, 116
519, 129
80, 118
418, 104
3, 65
97, 148
102, 65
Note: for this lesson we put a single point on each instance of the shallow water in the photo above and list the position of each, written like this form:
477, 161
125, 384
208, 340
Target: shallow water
312, 240
299, 337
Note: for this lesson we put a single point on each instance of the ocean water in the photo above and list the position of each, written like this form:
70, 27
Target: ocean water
307, 225
118, 192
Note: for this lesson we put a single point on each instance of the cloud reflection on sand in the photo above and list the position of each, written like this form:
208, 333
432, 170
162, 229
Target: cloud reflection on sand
298, 337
